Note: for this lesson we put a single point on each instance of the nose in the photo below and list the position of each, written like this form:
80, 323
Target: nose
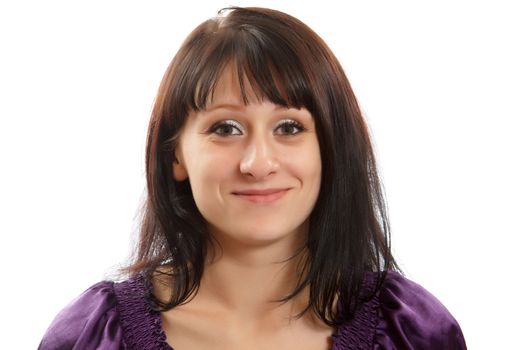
258, 159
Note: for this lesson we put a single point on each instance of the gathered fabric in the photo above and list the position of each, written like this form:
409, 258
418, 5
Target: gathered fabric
117, 315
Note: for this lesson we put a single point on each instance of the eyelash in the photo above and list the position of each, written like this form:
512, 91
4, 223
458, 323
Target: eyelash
222, 124
229, 123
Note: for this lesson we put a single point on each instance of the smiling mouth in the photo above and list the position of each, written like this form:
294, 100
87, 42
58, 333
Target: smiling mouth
262, 196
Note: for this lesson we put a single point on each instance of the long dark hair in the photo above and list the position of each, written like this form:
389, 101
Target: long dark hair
285, 62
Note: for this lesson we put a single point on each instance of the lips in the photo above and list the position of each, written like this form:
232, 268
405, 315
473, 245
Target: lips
261, 195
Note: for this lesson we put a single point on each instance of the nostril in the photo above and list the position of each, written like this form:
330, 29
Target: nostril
259, 168
259, 159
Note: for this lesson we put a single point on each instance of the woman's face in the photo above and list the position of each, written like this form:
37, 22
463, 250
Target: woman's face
254, 170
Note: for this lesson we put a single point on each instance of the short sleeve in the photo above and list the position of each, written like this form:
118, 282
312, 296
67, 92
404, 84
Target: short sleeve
91, 321
409, 317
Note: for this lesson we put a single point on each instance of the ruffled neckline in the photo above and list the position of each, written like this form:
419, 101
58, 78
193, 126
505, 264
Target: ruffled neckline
359, 332
142, 326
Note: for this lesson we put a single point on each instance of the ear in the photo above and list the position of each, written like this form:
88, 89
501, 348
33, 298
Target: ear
179, 170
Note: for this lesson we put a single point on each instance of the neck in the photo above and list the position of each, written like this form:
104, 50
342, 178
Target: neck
248, 280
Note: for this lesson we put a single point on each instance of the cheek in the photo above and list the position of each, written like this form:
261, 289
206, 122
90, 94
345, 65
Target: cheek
312, 179
207, 173
306, 166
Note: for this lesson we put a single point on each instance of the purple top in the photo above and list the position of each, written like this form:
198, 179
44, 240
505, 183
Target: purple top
111, 316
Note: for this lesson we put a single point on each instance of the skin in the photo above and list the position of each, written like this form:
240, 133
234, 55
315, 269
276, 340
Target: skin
231, 147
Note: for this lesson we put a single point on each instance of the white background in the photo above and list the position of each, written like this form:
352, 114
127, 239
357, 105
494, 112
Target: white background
441, 83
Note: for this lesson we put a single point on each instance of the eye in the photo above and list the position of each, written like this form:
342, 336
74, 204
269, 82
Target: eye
289, 127
226, 128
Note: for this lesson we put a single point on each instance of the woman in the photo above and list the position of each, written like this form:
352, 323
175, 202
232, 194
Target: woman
264, 225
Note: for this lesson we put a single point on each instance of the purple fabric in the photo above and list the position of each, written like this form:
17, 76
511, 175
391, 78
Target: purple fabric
91, 321
111, 316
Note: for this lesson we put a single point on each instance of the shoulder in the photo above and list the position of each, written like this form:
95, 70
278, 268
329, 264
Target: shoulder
403, 315
411, 317
86, 321
108, 315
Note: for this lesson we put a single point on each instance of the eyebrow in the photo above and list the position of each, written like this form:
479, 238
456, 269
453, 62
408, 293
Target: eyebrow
224, 106
235, 107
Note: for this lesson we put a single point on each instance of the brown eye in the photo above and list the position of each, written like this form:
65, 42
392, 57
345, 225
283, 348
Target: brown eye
289, 127
226, 128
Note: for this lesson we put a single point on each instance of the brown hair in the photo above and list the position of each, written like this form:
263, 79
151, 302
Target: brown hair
287, 63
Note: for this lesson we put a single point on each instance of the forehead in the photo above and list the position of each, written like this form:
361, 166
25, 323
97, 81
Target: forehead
227, 89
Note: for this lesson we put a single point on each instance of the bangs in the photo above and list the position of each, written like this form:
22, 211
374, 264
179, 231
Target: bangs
270, 56
261, 62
